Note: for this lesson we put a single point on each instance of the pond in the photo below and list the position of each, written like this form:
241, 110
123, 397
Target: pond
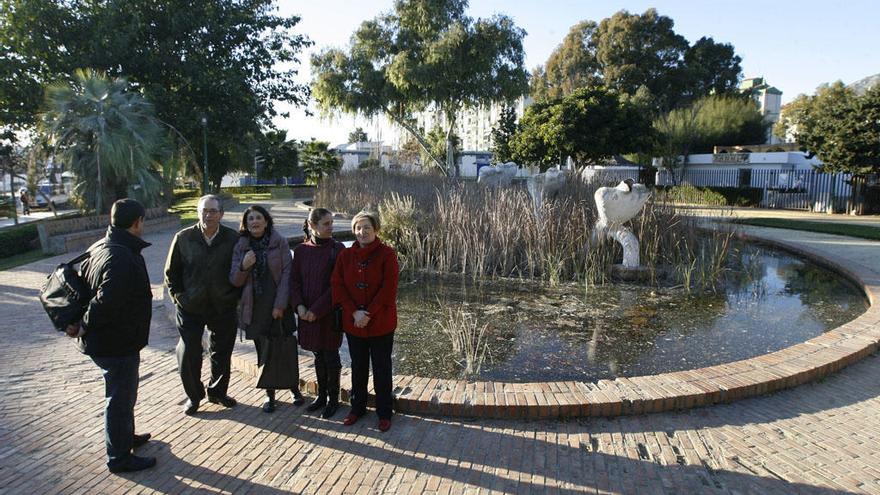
571, 332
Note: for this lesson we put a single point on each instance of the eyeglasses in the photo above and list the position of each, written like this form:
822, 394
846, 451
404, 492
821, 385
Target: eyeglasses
210, 211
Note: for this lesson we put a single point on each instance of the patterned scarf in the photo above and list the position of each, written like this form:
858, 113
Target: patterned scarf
260, 247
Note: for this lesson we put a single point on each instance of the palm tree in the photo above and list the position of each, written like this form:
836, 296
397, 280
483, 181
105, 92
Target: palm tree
108, 136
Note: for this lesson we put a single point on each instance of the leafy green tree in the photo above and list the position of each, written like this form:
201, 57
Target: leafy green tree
789, 116
572, 65
589, 125
423, 54
229, 61
317, 161
280, 156
502, 133
108, 136
842, 129
358, 136
438, 141
711, 68
633, 53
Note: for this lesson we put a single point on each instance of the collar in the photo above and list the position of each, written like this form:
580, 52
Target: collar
125, 238
207, 239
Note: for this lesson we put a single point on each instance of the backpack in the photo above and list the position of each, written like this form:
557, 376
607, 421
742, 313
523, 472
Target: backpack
65, 294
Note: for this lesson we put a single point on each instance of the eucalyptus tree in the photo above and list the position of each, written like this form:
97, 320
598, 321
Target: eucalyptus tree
424, 54
230, 62
108, 135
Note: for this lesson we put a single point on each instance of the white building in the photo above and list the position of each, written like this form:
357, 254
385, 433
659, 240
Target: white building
354, 154
473, 125
769, 101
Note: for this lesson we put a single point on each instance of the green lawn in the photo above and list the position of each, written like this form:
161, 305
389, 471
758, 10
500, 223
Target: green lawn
22, 259
847, 229
186, 207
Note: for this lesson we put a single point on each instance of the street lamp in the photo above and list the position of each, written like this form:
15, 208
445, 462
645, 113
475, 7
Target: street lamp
205, 153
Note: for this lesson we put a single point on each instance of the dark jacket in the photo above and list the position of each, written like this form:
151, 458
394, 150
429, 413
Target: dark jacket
366, 278
310, 286
117, 319
197, 275
278, 261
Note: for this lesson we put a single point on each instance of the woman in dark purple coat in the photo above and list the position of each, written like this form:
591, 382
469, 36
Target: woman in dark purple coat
310, 297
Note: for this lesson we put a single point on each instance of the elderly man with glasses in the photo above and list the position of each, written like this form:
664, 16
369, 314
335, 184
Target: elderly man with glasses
197, 276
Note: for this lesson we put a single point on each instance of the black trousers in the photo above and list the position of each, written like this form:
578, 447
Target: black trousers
189, 352
363, 352
120, 395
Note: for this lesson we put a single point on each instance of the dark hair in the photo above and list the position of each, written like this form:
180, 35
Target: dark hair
125, 213
242, 228
315, 216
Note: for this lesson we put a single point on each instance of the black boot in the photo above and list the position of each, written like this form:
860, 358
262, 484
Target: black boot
332, 393
321, 374
298, 398
269, 403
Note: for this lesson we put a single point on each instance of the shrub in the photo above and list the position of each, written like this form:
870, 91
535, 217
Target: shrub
711, 195
17, 240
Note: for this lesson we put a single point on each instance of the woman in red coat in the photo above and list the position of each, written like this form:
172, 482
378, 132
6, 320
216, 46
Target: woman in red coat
310, 297
364, 283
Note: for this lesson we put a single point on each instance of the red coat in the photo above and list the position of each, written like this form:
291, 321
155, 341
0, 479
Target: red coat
366, 278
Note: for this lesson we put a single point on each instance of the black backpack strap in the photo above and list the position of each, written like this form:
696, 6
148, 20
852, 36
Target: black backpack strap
79, 258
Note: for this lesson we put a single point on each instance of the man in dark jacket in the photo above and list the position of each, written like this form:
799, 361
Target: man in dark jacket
197, 276
116, 327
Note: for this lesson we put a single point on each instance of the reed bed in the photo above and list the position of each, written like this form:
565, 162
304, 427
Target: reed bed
453, 226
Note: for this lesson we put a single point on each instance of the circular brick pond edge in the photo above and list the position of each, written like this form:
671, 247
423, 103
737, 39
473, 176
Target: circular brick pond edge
785, 368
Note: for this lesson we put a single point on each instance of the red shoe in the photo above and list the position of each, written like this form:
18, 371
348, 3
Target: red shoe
350, 419
384, 424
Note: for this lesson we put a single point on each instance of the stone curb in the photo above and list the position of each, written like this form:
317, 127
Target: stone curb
786, 368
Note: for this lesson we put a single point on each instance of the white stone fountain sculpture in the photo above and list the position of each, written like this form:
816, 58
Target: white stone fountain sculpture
616, 206
497, 175
545, 185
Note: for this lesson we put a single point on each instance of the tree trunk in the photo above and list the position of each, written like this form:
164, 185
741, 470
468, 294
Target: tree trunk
415, 133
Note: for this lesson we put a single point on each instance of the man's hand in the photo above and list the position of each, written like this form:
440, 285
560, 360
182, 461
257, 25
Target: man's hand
248, 261
277, 314
73, 330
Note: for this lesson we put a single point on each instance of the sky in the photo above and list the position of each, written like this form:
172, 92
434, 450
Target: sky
795, 45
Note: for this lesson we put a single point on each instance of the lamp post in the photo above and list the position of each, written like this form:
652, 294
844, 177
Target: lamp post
205, 154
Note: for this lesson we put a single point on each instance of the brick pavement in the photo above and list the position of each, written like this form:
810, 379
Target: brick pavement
816, 438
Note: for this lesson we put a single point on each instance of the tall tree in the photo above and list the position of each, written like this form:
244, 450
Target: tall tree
317, 161
280, 156
229, 61
107, 135
841, 128
502, 133
423, 54
358, 136
589, 125
789, 116
628, 52
572, 65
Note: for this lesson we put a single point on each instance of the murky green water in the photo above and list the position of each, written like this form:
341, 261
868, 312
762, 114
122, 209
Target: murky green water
571, 333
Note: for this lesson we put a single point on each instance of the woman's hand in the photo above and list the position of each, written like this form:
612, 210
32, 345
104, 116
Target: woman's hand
361, 318
310, 316
248, 261
277, 314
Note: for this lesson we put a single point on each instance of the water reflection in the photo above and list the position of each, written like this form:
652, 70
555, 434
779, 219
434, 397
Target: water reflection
770, 301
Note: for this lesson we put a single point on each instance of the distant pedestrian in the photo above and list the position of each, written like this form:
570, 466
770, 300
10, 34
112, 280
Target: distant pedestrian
25, 199
311, 298
364, 283
116, 326
197, 277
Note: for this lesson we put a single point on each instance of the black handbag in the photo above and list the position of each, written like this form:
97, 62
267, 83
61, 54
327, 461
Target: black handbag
279, 360
65, 294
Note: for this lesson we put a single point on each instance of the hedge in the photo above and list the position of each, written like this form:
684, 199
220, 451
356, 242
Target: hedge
262, 189
712, 195
17, 240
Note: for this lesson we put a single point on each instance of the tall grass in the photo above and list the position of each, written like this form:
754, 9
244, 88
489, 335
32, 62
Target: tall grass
467, 336
444, 225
